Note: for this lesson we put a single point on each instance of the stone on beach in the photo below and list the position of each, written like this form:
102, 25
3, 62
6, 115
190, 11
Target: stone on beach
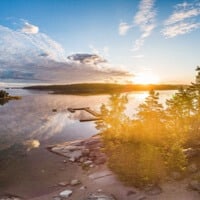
100, 197
63, 184
65, 193
74, 182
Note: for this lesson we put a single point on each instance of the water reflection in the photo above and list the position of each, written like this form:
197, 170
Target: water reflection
54, 125
31, 144
32, 117
3, 101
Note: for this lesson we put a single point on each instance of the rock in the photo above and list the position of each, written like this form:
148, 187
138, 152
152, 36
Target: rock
100, 197
57, 198
99, 190
88, 162
71, 148
190, 152
192, 168
54, 110
100, 174
130, 192
83, 188
74, 182
74, 155
63, 184
91, 166
72, 159
153, 190
10, 197
85, 152
93, 140
195, 185
141, 197
65, 193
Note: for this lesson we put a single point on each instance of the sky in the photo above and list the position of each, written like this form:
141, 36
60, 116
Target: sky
70, 41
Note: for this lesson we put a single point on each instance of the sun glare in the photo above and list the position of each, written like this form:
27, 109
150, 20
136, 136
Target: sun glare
146, 78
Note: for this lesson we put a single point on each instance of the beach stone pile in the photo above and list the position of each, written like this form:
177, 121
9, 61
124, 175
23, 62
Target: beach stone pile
88, 152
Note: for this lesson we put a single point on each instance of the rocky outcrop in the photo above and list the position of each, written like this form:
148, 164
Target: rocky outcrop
88, 151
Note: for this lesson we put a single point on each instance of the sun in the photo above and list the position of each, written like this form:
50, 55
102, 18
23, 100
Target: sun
146, 78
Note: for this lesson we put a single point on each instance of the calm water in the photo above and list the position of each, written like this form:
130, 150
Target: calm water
32, 117
29, 124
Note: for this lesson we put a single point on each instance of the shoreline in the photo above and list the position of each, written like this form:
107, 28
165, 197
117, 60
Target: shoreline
95, 177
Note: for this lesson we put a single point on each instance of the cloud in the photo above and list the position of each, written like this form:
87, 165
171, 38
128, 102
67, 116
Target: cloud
104, 52
30, 29
182, 20
36, 58
180, 29
90, 59
145, 20
124, 28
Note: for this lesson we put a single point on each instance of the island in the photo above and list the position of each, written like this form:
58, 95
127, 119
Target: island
5, 97
102, 88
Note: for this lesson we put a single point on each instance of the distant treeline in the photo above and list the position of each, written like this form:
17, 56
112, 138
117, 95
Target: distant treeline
102, 88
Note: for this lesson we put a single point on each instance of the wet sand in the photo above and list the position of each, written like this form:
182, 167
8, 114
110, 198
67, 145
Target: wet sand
35, 174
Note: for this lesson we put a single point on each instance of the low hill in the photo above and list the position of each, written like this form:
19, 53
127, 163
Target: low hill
101, 88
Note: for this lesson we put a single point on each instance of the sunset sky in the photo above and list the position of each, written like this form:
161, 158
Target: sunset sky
64, 41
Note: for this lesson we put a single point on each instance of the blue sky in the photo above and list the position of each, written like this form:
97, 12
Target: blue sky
47, 41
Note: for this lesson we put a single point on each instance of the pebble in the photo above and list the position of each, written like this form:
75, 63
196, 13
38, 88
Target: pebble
74, 182
65, 193
83, 188
72, 159
141, 197
63, 184
100, 197
57, 198
99, 190
88, 162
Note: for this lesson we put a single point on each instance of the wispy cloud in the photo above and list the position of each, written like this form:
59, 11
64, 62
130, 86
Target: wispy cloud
145, 20
30, 28
124, 28
180, 29
183, 19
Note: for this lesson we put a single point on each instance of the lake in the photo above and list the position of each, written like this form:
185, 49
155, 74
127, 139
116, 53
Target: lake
28, 125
